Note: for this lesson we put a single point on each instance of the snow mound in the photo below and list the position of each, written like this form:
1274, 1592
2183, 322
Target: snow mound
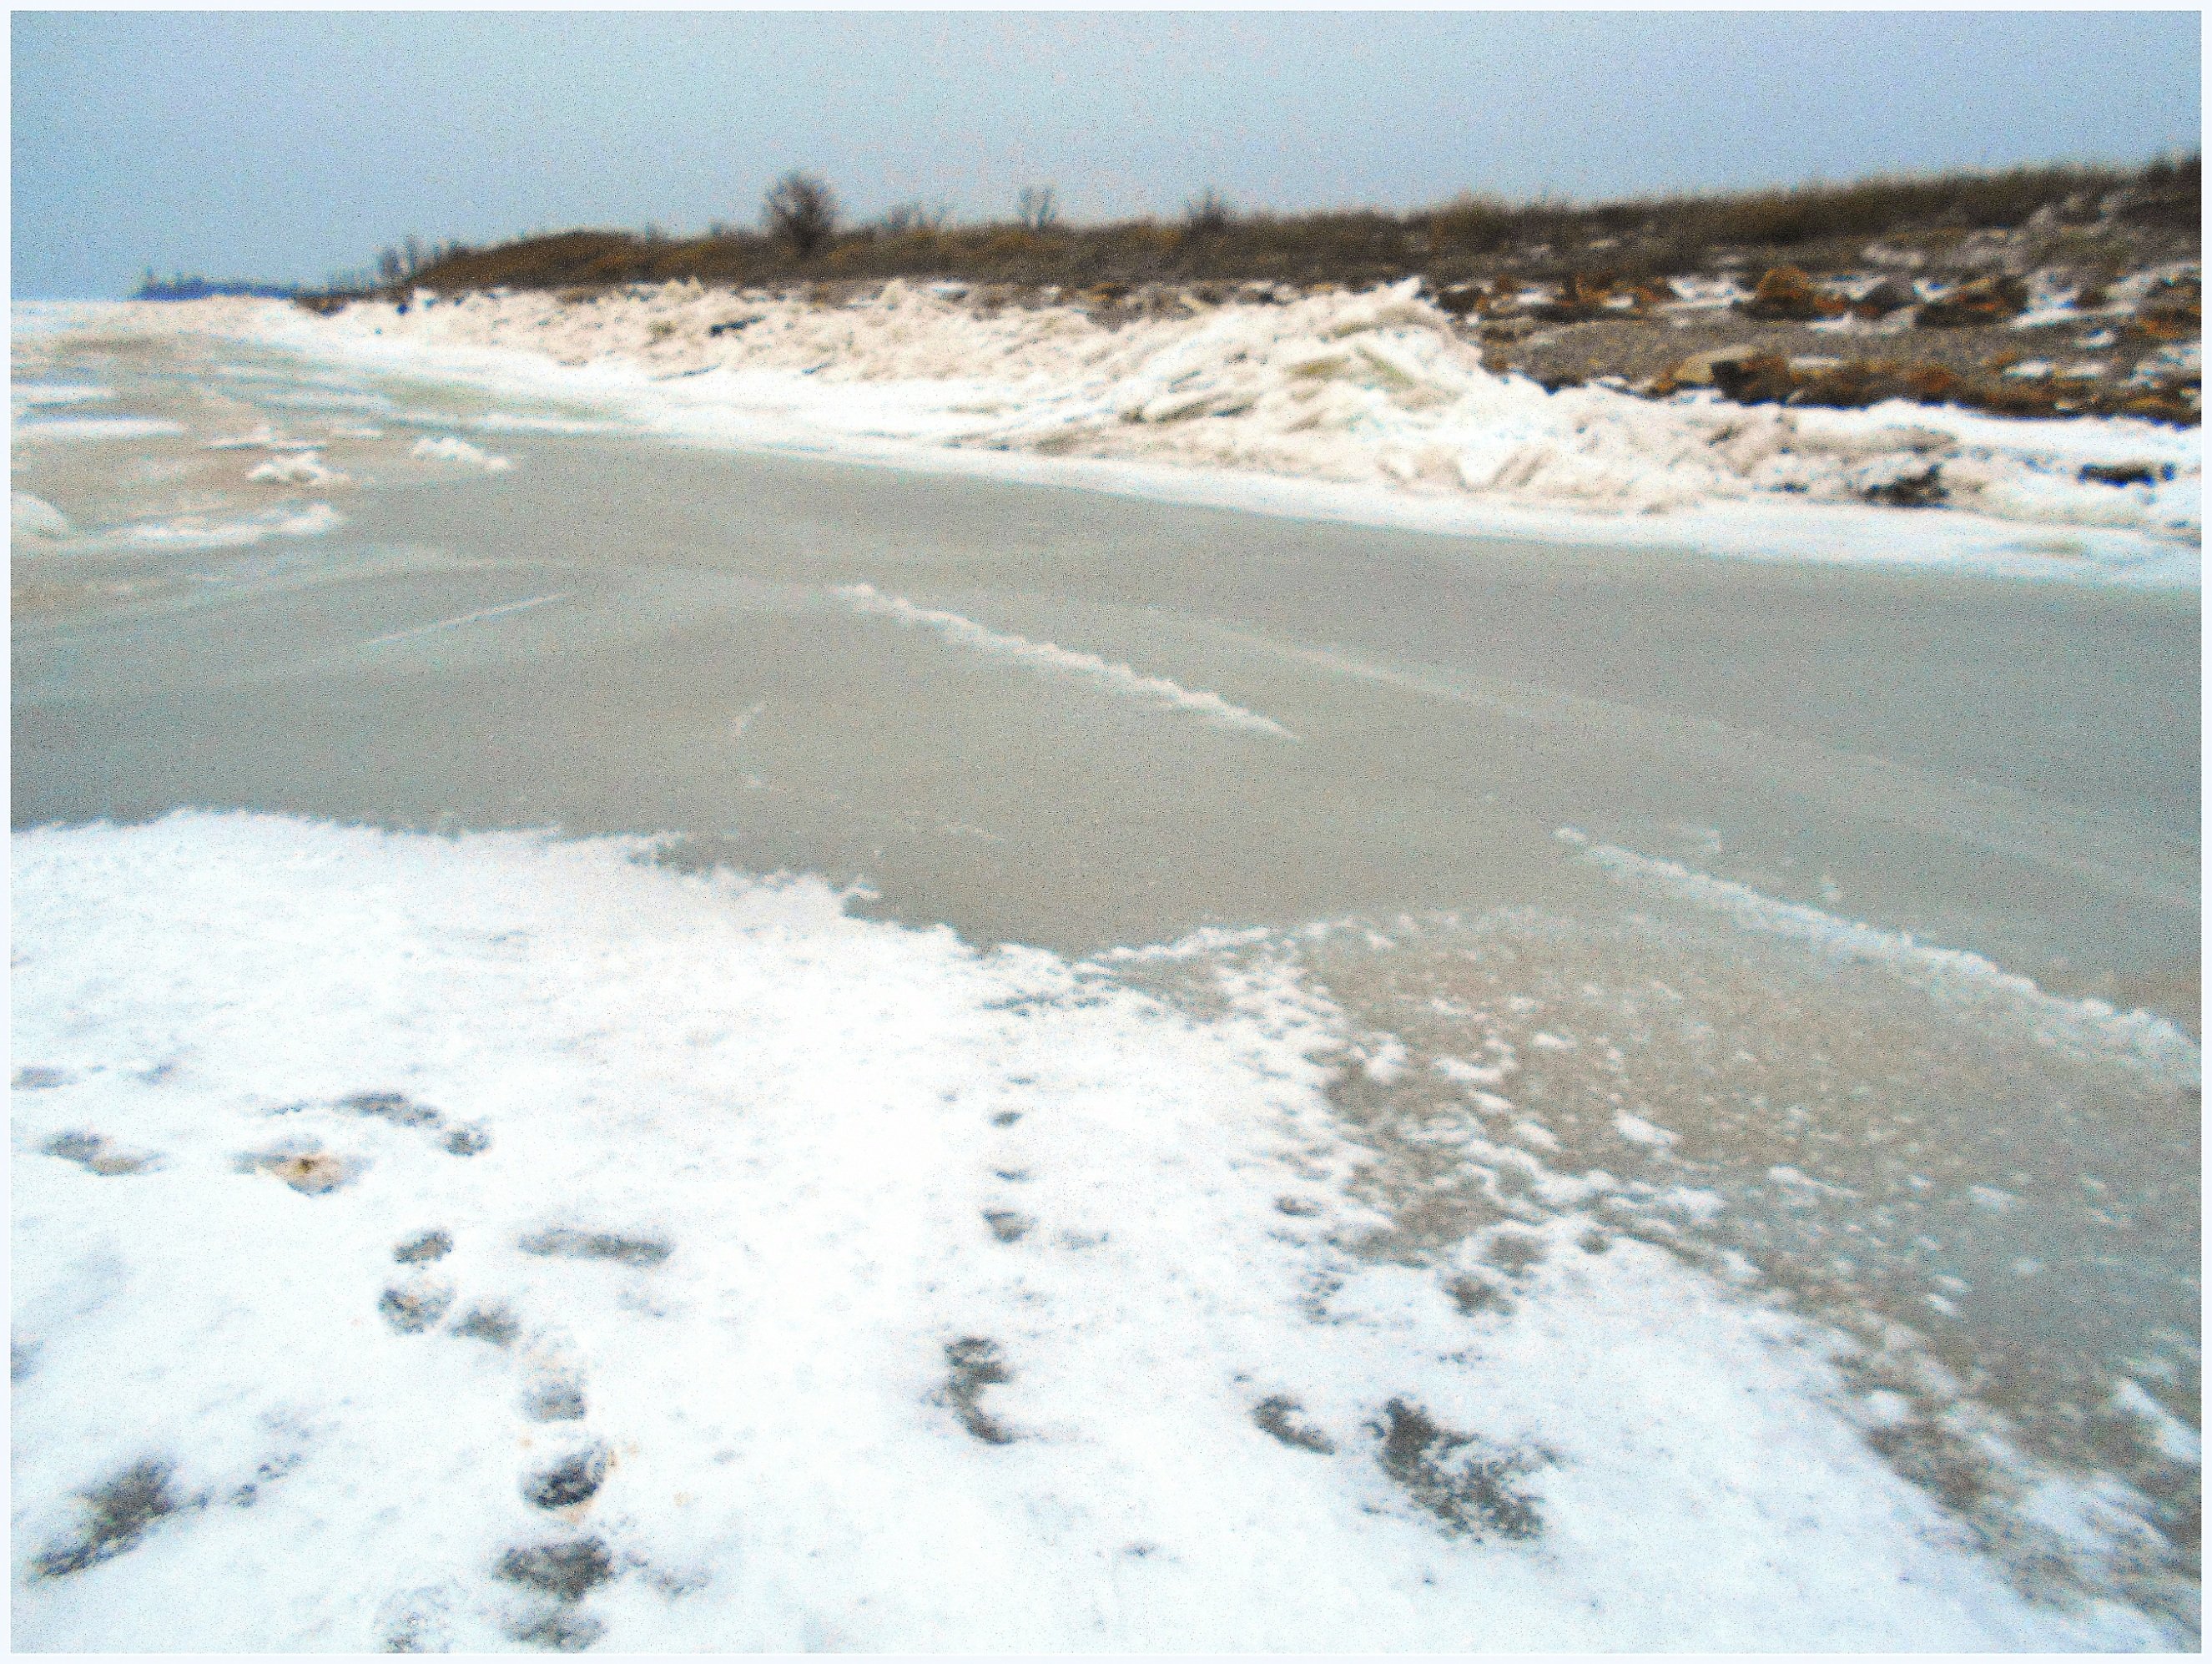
448, 448
299, 468
1373, 388
34, 519
203, 532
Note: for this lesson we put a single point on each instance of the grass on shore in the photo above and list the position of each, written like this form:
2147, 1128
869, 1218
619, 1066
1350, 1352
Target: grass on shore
1812, 226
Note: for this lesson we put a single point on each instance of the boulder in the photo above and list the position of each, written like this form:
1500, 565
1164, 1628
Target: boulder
1763, 378
1786, 295
1696, 370
2172, 311
1579, 299
1885, 297
1984, 301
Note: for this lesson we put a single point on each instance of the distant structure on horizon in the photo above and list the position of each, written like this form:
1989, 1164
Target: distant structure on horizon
180, 287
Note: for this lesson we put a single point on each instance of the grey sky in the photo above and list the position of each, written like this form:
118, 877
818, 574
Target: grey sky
287, 145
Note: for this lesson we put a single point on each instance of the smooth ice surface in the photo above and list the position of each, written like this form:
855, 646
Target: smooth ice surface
471, 1240
1366, 407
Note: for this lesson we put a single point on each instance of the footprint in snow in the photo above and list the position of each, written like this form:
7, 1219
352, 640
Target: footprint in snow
491, 1323
1470, 1486
118, 1511
310, 1171
416, 1305
563, 1243
424, 1246
96, 1154
400, 1110
563, 1572
1282, 1418
973, 1363
576, 1478
554, 1398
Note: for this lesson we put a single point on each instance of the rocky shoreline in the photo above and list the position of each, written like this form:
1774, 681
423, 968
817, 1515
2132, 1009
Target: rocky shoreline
2039, 294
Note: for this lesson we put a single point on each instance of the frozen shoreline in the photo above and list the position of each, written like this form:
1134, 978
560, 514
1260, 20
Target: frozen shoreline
1364, 409
731, 1282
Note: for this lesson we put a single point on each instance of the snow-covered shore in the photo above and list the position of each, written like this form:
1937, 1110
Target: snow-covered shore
426, 1242
1357, 406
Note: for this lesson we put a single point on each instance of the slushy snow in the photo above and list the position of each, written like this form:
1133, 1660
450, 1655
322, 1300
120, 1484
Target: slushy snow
492, 1240
212, 531
448, 448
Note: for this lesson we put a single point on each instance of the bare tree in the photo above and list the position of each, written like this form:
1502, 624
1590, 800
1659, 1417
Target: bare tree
1208, 211
1037, 207
800, 212
905, 219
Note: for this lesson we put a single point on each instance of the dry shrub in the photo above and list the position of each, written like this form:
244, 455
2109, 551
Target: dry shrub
800, 212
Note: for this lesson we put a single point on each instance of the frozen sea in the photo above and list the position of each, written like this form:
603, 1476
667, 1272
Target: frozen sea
642, 1039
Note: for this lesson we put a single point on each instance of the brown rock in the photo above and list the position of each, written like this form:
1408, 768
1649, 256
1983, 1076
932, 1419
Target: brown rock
2016, 398
1932, 384
1853, 386
1984, 301
1579, 299
1786, 294
1758, 379
2166, 404
1885, 297
2172, 311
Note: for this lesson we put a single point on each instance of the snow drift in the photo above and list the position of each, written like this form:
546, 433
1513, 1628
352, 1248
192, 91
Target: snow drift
1373, 388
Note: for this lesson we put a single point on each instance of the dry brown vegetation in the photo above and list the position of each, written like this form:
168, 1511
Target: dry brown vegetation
1564, 294
1814, 227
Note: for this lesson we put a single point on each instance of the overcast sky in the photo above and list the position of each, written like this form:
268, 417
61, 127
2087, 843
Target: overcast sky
287, 146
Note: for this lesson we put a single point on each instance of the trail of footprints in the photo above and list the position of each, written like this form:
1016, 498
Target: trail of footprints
560, 1571
1468, 1485
557, 1572
1465, 1483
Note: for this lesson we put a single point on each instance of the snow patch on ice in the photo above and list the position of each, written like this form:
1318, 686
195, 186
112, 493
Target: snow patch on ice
33, 518
41, 394
303, 468
448, 448
1646, 1135
50, 429
2177, 1441
263, 437
199, 531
